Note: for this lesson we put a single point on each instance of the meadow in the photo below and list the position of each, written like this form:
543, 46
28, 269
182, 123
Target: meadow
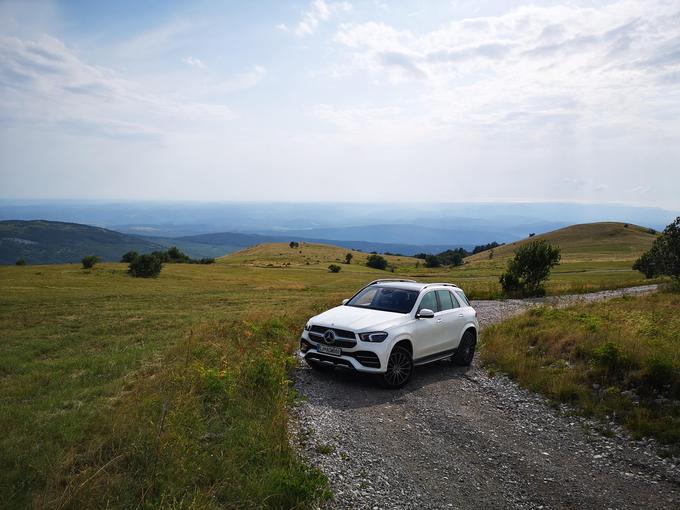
618, 360
174, 392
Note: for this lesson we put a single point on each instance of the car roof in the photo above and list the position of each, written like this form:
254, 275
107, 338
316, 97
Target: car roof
417, 286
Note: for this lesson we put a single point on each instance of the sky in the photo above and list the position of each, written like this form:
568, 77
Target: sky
351, 101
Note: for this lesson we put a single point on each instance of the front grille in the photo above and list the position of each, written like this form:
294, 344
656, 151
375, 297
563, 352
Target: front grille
343, 338
366, 358
343, 333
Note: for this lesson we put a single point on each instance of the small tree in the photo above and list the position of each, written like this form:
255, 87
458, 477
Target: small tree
348, 258
129, 257
146, 266
89, 261
529, 268
334, 268
376, 261
21, 262
663, 258
294, 244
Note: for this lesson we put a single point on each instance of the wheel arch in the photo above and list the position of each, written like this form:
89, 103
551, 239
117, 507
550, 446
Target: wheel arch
405, 343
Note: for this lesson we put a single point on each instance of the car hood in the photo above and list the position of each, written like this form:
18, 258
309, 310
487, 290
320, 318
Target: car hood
353, 318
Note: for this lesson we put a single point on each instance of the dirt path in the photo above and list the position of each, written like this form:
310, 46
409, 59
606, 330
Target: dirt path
456, 438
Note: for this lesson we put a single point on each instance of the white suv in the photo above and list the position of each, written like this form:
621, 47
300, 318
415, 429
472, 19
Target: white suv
390, 326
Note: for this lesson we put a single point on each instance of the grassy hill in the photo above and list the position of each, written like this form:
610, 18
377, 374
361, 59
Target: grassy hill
53, 242
307, 254
589, 241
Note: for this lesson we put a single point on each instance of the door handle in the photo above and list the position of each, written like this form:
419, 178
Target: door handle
460, 315
438, 321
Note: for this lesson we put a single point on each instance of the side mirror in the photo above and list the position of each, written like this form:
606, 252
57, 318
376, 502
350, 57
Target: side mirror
425, 313
345, 301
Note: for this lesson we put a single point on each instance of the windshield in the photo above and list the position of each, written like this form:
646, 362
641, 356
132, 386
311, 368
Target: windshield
387, 299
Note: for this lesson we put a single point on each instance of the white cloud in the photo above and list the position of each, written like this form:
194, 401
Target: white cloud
45, 83
547, 67
319, 11
194, 62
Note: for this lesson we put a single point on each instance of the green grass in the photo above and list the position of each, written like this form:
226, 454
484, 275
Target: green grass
618, 359
173, 392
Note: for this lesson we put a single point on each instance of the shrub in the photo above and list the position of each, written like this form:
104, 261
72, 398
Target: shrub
376, 261
348, 258
663, 258
207, 260
529, 268
432, 261
452, 257
334, 268
146, 266
177, 256
294, 244
161, 255
21, 262
89, 261
129, 257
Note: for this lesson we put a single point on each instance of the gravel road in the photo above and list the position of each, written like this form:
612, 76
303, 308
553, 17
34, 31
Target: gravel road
456, 438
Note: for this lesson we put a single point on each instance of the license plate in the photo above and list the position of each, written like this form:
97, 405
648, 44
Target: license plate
335, 351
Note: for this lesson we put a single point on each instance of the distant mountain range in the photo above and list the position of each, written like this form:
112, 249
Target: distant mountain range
52, 242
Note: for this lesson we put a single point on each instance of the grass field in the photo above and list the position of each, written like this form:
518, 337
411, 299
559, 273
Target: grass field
173, 392
618, 359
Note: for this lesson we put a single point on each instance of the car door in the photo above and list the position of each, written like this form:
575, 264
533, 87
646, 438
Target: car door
426, 332
452, 320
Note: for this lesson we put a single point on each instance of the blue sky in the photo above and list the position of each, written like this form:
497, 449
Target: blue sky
341, 101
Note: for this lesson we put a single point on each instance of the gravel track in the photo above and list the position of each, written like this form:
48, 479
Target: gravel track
456, 438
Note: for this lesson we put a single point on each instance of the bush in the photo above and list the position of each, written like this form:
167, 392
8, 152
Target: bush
348, 258
21, 262
89, 261
176, 256
207, 260
146, 266
529, 268
376, 261
664, 256
432, 261
334, 268
129, 257
294, 244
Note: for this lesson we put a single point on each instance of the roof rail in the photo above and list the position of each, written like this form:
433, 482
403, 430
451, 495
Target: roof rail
442, 284
391, 280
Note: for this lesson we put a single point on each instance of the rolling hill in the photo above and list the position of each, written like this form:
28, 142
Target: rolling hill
610, 241
53, 242
306, 254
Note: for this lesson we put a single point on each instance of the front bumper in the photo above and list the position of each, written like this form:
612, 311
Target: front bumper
356, 358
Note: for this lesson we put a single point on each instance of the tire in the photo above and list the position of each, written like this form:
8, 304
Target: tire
319, 367
466, 350
399, 369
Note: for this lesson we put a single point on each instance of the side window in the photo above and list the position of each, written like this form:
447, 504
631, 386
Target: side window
462, 297
446, 300
429, 301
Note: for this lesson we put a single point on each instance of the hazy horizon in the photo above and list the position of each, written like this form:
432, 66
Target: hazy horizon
361, 101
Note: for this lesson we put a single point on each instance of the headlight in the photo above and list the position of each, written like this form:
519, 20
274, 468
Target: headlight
373, 336
308, 327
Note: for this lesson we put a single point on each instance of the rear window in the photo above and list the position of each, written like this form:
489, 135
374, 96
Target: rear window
462, 297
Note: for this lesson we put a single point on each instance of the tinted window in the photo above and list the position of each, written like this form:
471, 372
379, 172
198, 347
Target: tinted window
385, 298
429, 301
463, 298
446, 300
